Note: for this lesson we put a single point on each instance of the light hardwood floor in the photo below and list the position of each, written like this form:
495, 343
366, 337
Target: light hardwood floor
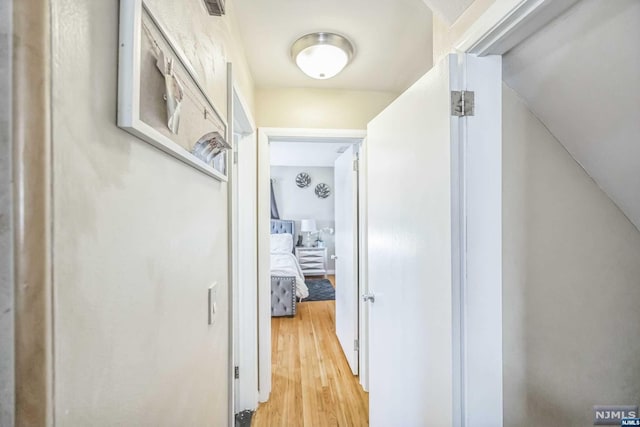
312, 384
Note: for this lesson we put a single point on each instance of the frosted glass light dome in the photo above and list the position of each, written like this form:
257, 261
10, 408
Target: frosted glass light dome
322, 55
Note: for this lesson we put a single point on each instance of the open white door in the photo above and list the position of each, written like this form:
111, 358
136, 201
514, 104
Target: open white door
243, 250
435, 354
346, 258
247, 321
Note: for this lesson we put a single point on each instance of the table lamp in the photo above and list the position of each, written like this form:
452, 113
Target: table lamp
307, 228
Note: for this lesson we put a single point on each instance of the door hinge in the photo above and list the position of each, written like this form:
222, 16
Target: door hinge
236, 372
356, 345
235, 157
462, 103
355, 165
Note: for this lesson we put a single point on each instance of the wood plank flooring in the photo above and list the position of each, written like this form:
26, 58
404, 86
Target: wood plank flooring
312, 384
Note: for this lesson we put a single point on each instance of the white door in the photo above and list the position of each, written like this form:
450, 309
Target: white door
242, 165
416, 190
346, 257
247, 350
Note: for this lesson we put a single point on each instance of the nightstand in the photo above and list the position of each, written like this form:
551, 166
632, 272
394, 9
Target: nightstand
313, 261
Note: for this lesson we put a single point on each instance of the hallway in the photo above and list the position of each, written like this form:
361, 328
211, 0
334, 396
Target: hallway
312, 384
497, 238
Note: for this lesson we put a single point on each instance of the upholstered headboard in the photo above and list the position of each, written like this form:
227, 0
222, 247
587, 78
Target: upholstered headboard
281, 226
283, 289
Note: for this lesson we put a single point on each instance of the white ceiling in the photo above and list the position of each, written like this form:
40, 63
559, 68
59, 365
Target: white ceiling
580, 76
448, 10
306, 153
392, 39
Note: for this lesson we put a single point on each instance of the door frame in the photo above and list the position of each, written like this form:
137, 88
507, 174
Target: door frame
240, 123
265, 135
502, 26
353, 167
32, 222
363, 268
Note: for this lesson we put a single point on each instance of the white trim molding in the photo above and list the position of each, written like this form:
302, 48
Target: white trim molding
508, 22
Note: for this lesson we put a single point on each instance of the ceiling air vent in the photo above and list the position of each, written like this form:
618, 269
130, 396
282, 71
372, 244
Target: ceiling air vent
215, 7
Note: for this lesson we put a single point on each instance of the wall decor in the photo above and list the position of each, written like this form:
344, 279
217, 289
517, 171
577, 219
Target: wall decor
160, 99
323, 190
303, 180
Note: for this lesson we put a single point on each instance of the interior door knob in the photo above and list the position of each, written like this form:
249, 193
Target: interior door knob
334, 257
368, 297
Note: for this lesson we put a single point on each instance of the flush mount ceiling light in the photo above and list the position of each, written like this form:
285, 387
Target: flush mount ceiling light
322, 55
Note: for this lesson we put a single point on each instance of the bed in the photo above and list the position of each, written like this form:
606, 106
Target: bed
287, 280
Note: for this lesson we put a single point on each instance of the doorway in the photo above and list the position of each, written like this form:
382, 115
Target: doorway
270, 139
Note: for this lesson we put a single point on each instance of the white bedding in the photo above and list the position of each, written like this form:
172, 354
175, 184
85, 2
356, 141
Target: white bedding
286, 264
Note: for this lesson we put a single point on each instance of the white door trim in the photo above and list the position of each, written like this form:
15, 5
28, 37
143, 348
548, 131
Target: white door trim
346, 217
477, 245
240, 123
264, 281
363, 287
508, 22
505, 24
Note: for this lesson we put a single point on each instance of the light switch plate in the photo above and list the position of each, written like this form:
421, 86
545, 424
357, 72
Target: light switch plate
212, 302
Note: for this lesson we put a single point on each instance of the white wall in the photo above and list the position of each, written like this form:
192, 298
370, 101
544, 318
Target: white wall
589, 56
6, 228
139, 236
300, 203
448, 10
571, 283
306, 153
446, 35
319, 108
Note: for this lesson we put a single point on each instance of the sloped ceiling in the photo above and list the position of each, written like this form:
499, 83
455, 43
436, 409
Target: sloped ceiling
392, 39
581, 76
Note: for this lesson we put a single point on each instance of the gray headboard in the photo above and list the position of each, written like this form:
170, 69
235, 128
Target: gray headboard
281, 226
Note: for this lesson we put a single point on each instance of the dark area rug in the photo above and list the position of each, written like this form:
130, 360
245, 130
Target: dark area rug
320, 290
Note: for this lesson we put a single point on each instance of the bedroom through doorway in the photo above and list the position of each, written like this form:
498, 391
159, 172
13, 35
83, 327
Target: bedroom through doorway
313, 280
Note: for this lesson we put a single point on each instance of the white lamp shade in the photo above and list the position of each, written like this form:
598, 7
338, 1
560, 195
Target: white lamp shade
322, 61
322, 55
308, 225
